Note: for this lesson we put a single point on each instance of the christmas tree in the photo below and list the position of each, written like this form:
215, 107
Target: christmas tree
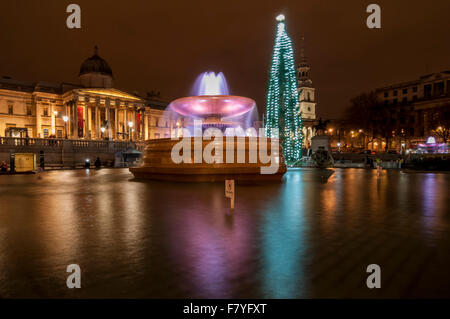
282, 108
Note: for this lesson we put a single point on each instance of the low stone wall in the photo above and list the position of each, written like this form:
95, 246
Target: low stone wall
63, 152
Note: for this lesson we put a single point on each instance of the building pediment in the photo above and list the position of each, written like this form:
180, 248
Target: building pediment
435, 76
106, 93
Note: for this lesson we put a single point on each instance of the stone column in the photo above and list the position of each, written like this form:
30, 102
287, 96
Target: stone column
86, 120
90, 122
53, 117
147, 126
75, 119
135, 124
144, 126
425, 123
116, 121
416, 124
125, 120
97, 122
38, 119
139, 123
108, 119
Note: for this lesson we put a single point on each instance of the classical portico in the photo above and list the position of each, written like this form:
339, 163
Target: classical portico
101, 113
98, 111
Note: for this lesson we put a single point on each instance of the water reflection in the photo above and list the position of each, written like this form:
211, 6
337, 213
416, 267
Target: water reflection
283, 247
301, 238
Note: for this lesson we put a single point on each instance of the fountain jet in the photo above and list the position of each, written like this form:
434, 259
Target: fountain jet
212, 103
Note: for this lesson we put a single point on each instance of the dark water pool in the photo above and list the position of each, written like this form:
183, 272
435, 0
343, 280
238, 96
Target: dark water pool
304, 238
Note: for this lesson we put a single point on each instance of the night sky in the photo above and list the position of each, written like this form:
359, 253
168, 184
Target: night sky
164, 45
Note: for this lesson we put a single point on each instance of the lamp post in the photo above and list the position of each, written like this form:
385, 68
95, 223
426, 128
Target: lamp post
130, 125
65, 119
352, 135
103, 130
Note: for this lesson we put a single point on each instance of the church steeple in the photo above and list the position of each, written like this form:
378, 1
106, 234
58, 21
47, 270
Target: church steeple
303, 66
306, 90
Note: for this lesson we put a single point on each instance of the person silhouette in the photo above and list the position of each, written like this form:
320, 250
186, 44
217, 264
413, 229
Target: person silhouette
98, 163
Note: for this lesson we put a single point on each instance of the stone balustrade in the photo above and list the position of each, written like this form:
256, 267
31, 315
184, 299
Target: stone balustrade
63, 152
9, 142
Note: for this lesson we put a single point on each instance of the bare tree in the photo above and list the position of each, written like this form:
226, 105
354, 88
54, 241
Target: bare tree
442, 123
377, 120
361, 115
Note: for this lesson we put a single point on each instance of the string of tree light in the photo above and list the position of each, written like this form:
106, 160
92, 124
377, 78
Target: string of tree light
282, 106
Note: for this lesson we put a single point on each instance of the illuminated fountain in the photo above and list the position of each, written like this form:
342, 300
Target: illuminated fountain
217, 140
214, 106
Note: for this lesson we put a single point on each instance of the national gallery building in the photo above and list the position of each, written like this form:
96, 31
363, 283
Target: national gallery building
91, 109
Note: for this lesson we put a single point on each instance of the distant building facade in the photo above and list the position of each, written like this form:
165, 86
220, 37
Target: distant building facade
90, 109
307, 98
418, 106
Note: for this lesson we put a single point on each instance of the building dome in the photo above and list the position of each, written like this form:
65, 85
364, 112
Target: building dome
96, 72
95, 64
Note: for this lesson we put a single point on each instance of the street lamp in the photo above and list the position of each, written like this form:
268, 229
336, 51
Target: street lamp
103, 130
339, 146
130, 125
65, 119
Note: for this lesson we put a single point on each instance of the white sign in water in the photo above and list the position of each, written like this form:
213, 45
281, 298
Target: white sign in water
229, 191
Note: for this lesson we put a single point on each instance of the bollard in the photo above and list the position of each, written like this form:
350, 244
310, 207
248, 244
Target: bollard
12, 162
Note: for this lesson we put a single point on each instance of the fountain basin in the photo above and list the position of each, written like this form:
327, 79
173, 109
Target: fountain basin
205, 106
158, 163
